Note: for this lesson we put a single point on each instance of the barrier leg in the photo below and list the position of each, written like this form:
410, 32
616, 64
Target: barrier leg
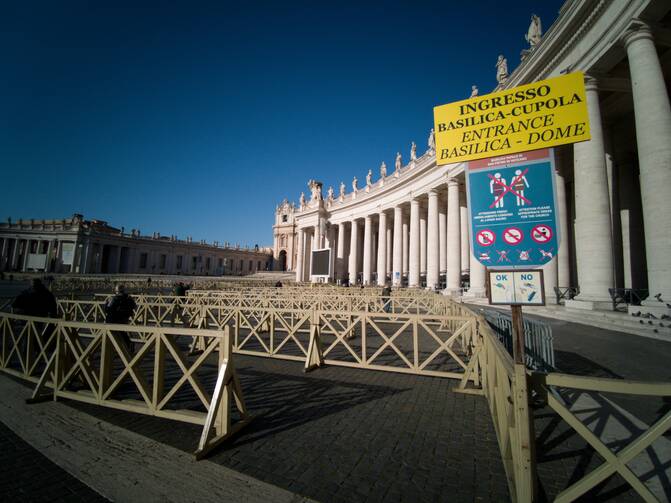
315, 357
226, 387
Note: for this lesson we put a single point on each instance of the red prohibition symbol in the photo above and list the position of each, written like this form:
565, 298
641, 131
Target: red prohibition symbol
541, 234
485, 237
513, 236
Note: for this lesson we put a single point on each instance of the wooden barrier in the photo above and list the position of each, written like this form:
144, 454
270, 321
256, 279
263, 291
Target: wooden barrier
91, 362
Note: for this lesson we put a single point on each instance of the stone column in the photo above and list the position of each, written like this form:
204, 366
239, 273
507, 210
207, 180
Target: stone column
15, 255
3, 253
592, 223
413, 253
463, 235
477, 275
316, 239
299, 255
353, 251
390, 244
563, 269
442, 235
453, 236
422, 241
406, 245
47, 262
397, 269
367, 249
652, 113
26, 252
432, 242
382, 249
340, 254
332, 247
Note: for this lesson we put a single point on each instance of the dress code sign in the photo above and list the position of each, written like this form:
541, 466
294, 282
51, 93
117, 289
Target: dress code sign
511, 201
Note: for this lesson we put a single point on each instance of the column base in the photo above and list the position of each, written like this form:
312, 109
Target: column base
589, 305
475, 293
451, 292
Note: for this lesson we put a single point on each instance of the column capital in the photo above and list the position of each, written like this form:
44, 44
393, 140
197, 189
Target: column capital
433, 192
414, 201
637, 30
591, 82
452, 181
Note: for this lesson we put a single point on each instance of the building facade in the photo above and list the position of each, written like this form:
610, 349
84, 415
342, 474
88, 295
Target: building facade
76, 245
613, 204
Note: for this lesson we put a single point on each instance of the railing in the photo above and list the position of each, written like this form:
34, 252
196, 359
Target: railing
538, 346
566, 292
152, 375
627, 296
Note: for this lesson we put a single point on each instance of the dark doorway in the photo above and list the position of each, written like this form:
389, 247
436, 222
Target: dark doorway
283, 260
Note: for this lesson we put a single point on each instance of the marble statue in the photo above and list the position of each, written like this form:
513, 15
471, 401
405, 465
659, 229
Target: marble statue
301, 200
329, 195
398, 161
342, 190
474, 91
369, 178
413, 152
501, 69
431, 142
315, 189
535, 32
354, 187
383, 170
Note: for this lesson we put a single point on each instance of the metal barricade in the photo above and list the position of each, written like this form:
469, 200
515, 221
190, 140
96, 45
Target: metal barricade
539, 348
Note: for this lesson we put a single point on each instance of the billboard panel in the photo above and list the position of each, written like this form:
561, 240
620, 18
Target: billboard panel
534, 116
321, 262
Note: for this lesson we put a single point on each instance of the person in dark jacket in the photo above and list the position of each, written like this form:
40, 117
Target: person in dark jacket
119, 309
36, 301
386, 298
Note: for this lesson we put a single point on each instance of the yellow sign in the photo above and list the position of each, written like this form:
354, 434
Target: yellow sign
539, 115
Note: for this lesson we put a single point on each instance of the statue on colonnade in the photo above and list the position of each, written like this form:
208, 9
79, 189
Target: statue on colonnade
535, 31
383, 170
431, 142
342, 191
501, 69
474, 91
413, 152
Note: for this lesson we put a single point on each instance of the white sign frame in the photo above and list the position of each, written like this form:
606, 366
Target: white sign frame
512, 292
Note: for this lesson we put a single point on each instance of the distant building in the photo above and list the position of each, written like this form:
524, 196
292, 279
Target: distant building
284, 237
76, 245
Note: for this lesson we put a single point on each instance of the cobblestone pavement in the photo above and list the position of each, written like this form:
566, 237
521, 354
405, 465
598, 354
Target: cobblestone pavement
340, 434
27, 475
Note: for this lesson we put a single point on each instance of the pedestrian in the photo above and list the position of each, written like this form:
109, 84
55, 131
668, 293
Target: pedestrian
179, 290
386, 298
36, 301
119, 309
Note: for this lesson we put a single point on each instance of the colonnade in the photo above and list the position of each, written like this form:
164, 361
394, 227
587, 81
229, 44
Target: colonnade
423, 237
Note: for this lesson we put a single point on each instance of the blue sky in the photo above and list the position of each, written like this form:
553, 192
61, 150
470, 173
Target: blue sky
197, 119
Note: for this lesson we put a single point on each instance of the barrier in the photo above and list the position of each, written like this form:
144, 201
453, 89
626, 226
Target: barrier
504, 385
423, 334
614, 462
89, 362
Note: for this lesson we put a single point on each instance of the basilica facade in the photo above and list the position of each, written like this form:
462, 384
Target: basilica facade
409, 225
